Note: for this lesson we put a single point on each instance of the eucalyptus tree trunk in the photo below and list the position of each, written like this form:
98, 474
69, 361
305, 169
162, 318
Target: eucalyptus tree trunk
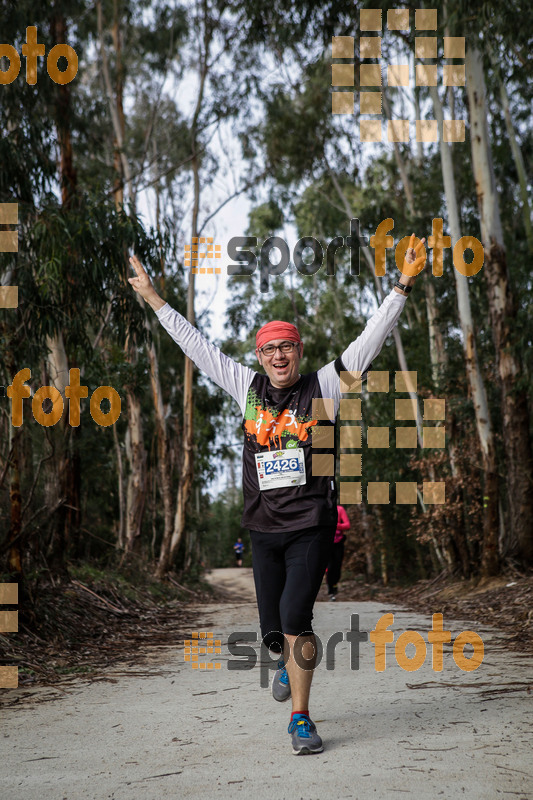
121, 169
120, 126
115, 101
502, 310
121, 527
437, 353
63, 111
169, 549
368, 543
402, 360
14, 558
163, 450
63, 484
163, 454
489, 558
187, 464
136, 488
56, 374
382, 549
519, 164
136, 484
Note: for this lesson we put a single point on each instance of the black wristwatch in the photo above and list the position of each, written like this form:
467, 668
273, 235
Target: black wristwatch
403, 287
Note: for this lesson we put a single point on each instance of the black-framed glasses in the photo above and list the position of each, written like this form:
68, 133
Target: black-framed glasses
285, 347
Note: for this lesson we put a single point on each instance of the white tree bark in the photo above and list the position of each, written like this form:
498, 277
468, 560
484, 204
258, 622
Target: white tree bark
473, 372
136, 485
399, 350
502, 306
475, 379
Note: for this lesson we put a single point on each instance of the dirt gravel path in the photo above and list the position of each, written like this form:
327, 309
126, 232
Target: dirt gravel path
237, 583
167, 730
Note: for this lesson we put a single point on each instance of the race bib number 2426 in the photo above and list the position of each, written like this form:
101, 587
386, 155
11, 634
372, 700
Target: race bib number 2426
279, 468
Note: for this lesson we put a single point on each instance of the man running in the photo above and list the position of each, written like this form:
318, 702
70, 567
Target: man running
333, 572
239, 549
290, 497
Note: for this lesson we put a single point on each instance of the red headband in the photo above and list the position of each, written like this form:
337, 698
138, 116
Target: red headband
276, 330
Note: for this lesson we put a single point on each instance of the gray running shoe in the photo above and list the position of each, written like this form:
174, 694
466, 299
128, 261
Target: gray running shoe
305, 739
281, 688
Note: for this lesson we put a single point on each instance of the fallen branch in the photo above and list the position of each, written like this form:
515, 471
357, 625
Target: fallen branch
428, 684
180, 586
101, 599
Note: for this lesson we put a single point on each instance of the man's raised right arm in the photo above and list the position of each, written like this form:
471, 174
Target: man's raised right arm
231, 376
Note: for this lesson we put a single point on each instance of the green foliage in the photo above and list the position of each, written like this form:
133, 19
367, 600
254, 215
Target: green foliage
270, 84
296, 125
222, 530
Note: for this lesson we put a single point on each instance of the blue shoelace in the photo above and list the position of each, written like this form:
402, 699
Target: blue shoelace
303, 724
283, 678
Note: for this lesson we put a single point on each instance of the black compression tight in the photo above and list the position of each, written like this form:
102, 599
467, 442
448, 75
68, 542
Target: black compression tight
288, 570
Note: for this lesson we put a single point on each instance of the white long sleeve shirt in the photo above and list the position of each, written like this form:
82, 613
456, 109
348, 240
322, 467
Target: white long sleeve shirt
270, 414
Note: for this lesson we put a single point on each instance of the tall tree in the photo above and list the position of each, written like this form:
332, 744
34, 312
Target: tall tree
502, 309
475, 379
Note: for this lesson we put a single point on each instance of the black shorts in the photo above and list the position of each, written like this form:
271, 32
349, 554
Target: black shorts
288, 570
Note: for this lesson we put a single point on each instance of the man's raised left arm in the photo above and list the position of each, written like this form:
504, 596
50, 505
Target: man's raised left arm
360, 354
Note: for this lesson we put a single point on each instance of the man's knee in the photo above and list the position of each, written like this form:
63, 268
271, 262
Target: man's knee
274, 641
296, 622
306, 649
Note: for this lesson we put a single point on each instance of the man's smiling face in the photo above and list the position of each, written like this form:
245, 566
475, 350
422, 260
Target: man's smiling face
281, 368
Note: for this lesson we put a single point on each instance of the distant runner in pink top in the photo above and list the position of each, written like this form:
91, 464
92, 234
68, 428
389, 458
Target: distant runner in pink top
335, 564
343, 524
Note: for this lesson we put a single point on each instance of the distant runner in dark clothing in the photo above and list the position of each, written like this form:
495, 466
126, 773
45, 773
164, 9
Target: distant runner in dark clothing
333, 572
239, 550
